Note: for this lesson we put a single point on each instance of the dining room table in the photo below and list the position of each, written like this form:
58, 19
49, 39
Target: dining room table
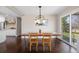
26, 36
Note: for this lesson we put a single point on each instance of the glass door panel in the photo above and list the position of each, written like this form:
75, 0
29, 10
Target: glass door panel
65, 28
75, 28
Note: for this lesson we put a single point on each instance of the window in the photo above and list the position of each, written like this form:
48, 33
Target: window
65, 28
75, 29
70, 28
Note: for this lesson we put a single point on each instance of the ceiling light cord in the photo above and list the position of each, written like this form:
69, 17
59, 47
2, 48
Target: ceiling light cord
40, 11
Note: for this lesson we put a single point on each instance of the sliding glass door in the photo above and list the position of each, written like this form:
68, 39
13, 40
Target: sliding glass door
75, 29
70, 28
65, 28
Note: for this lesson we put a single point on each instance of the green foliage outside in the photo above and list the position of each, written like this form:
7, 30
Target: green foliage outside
65, 27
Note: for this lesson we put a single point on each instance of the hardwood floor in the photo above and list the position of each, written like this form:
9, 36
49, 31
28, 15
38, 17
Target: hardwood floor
14, 45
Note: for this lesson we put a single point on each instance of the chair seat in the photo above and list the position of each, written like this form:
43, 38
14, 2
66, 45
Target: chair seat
46, 40
34, 40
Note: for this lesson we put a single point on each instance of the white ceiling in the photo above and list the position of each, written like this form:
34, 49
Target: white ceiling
31, 10
46, 10
6, 11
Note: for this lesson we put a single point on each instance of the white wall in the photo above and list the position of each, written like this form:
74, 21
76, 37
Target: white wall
28, 24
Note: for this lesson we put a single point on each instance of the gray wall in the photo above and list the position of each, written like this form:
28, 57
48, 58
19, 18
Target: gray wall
18, 25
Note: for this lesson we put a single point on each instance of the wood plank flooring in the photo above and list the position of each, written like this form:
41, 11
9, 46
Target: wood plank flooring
12, 45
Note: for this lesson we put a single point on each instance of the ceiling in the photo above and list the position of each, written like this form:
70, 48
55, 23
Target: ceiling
31, 10
46, 10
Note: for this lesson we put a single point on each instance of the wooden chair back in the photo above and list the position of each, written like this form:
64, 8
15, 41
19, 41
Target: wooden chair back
46, 40
33, 39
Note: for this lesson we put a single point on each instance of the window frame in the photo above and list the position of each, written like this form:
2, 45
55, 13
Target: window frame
70, 27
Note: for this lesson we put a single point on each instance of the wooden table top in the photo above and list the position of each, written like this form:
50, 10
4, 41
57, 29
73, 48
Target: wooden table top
40, 34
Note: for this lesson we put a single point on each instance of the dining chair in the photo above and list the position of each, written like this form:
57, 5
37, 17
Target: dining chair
46, 40
33, 40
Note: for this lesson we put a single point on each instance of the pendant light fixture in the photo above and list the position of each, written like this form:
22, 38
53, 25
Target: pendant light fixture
40, 19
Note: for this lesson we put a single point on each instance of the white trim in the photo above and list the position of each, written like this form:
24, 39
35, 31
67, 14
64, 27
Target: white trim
70, 29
